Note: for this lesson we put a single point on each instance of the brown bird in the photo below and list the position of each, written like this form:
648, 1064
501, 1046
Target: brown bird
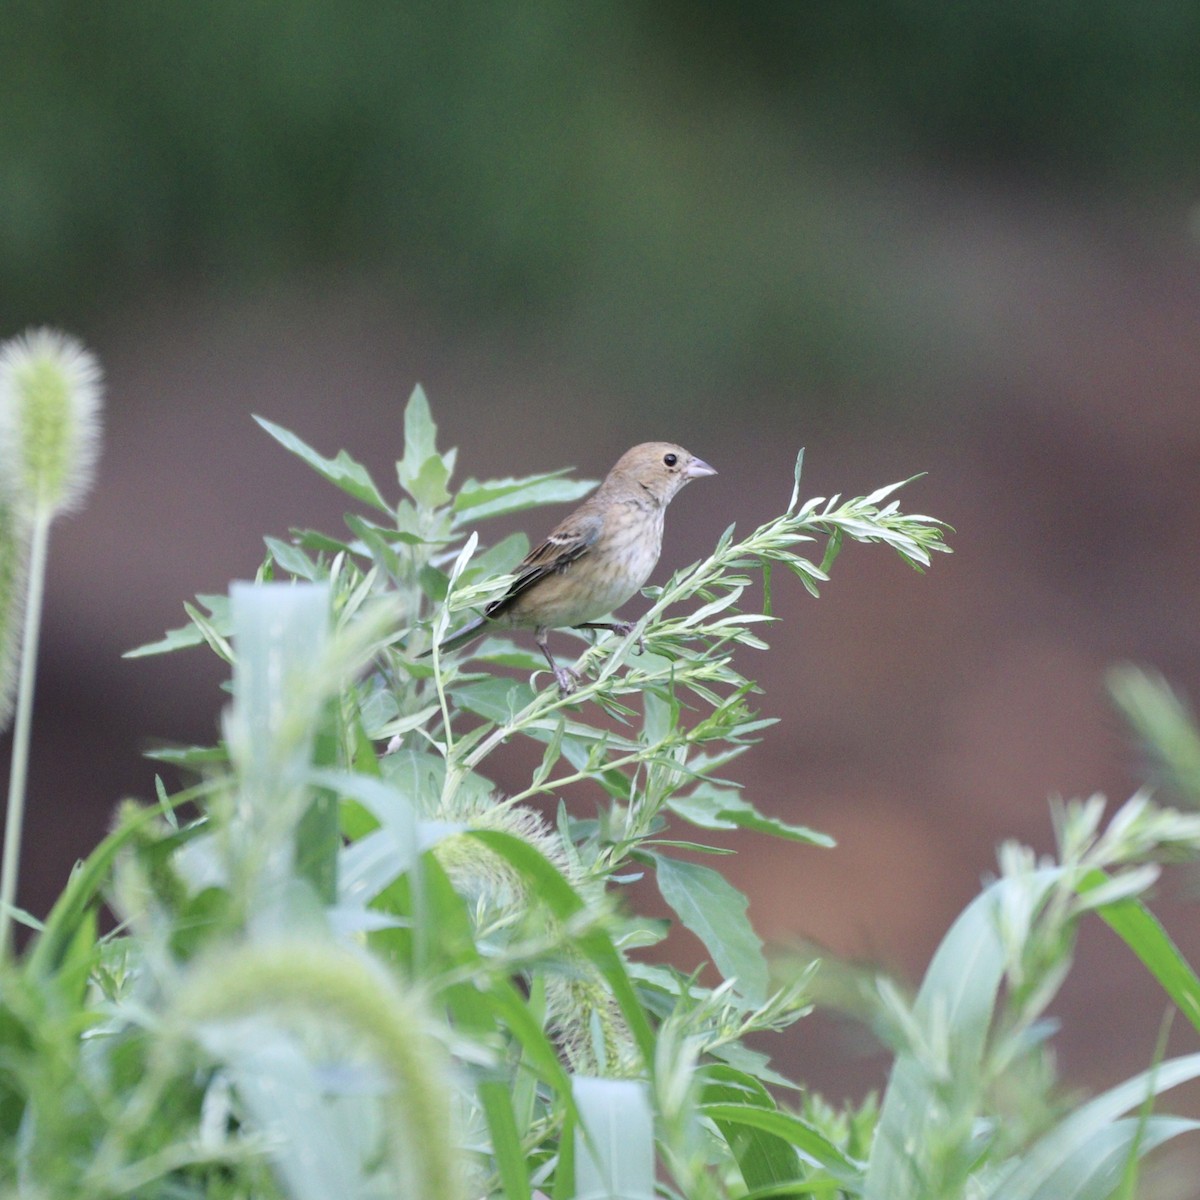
597, 558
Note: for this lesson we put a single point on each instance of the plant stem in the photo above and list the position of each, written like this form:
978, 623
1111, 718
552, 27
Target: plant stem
19, 768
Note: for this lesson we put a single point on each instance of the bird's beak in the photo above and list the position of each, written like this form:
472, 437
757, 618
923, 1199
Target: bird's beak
698, 467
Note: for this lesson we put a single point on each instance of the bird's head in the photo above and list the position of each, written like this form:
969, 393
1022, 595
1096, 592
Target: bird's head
659, 468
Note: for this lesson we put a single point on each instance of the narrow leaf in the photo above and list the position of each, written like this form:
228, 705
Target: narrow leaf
1142, 932
342, 471
791, 508
710, 807
189, 635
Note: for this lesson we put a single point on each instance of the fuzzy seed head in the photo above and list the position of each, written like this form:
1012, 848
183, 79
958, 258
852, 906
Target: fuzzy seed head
50, 390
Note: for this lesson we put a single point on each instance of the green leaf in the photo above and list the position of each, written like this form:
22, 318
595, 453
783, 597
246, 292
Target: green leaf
715, 911
376, 544
477, 1010
768, 1165
697, 847
1163, 721
280, 631
552, 752
311, 1141
377, 857
496, 698
217, 635
659, 716
479, 501
429, 487
404, 723
711, 807
419, 777
511, 1164
422, 472
1069, 1161
566, 904
199, 918
1094, 1169
189, 635
311, 539
763, 1157
293, 560
420, 432
411, 525
712, 608
832, 550
540, 1054
182, 638
888, 488
197, 758
739, 1057
799, 469
614, 1142
1144, 935
498, 559
564, 1176
318, 836
503, 653
342, 471
957, 996
385, 800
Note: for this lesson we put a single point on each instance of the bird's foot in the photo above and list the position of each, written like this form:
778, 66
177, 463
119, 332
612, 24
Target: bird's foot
568, 679
625, 628
620, 628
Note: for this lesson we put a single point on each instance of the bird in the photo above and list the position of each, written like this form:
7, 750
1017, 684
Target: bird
596, 559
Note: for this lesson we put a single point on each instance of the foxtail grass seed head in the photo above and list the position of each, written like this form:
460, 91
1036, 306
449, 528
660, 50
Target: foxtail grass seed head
50, 388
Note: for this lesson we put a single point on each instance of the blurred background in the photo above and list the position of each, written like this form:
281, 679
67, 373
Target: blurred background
907, 235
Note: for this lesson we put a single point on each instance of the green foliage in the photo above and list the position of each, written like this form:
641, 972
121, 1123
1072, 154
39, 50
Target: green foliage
1165, 725
347, 964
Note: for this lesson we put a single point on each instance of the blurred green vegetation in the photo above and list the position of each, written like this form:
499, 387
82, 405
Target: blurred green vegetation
671, 175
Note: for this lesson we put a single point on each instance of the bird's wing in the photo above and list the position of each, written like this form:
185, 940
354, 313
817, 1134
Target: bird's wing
570, 540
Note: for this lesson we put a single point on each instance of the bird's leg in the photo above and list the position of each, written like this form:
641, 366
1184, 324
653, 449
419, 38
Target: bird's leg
567, 679
620, 628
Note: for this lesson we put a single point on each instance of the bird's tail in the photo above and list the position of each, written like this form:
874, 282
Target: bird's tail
468, 633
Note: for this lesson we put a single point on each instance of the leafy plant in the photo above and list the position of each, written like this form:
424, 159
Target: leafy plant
348, 965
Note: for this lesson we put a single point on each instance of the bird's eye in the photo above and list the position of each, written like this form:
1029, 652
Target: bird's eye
670, 459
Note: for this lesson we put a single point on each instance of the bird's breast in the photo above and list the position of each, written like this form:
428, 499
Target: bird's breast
601, 580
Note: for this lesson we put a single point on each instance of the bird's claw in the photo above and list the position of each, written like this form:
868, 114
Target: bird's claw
568, 679
625, 628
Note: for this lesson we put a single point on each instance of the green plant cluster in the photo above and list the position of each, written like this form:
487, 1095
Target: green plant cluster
347, 964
